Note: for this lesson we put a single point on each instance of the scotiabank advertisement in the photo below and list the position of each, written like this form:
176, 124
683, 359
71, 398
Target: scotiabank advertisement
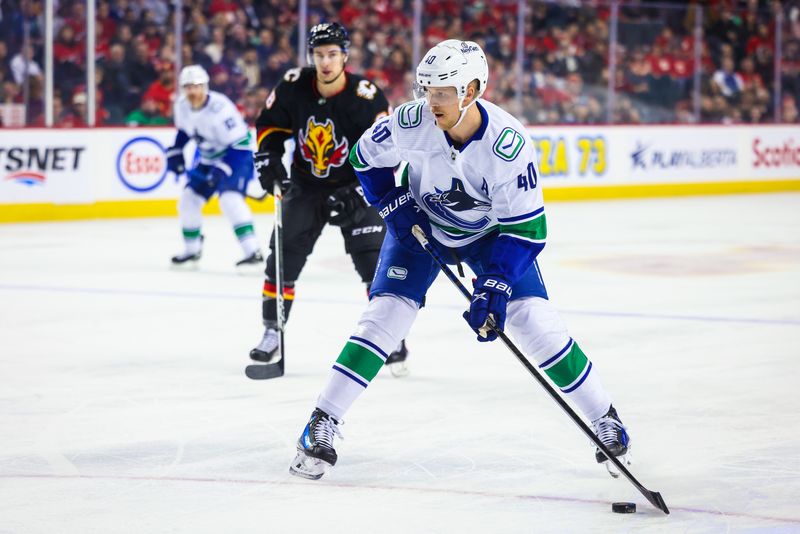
774, 152
83, 166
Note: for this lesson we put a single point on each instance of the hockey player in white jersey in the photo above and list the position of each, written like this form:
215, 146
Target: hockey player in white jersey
224, 166
472, 186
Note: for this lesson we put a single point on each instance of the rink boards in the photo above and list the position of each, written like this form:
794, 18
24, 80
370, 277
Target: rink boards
55, 174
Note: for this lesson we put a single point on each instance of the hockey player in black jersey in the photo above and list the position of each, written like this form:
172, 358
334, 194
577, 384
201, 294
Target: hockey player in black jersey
325, 110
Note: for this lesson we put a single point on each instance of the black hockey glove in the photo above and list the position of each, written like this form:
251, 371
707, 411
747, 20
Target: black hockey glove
270, 170
347, 206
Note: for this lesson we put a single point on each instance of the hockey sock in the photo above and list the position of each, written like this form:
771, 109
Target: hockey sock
383, 324
190, 214
241, 218
269, 307
538, 328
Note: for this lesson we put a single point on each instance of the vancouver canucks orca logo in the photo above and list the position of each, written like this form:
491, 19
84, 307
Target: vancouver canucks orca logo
444, 203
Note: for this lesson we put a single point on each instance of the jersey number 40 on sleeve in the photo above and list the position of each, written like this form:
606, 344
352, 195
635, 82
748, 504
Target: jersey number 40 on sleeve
380, 132
527, 180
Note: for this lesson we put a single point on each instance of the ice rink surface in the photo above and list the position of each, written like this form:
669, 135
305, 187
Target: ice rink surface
124, 407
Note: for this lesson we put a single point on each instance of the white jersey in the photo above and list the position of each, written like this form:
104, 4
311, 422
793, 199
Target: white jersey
215, 127
490, 183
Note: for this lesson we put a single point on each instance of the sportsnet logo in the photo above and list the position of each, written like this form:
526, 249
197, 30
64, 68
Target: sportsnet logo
28, 178
142, 164
29, 165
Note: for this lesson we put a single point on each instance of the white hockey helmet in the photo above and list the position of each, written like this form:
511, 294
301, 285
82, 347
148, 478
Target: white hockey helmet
193, 75
453, 63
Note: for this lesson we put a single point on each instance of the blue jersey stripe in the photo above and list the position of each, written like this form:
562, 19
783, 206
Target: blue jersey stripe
361, 156
520, 217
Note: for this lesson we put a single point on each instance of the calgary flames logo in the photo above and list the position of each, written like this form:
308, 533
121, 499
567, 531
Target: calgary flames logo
318, 146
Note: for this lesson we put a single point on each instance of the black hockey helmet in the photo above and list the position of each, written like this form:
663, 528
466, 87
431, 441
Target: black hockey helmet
328, 33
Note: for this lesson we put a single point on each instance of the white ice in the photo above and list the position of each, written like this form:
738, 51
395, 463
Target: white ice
124, 407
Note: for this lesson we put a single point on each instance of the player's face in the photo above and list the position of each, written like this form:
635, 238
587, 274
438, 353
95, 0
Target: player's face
329, 61
195, 94
443, 102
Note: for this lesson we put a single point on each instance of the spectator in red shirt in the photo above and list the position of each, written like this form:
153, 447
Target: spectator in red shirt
762, 42
75, 116
163, 89
77, 20
69, 57
225, 7
660, 62
107, 25
750, 78
351, 12
141, 71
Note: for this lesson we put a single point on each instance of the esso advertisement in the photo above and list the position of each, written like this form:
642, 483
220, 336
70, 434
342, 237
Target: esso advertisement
142, 164
137, 166
775, 152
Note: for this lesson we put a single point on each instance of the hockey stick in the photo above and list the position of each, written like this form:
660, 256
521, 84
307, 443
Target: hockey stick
276, 368
652, 496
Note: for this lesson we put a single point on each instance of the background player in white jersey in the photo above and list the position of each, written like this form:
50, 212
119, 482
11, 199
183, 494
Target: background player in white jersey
472, 184
224, 166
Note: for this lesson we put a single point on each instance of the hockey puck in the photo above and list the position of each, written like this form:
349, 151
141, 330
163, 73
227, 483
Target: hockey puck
623, 507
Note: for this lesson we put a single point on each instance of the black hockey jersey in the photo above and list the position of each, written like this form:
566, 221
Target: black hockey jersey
324, 129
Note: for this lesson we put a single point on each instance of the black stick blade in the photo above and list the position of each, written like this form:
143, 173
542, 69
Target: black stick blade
264, 371
656, 500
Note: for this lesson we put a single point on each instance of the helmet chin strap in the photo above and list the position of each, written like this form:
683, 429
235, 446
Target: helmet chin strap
463, 110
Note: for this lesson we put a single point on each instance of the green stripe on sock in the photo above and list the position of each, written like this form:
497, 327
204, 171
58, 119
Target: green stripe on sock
535, 229
243, 230
362, 361
191, 233
569, 368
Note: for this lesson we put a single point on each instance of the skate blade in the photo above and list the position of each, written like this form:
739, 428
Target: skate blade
191, 265
624, 459
399, 369
307, 467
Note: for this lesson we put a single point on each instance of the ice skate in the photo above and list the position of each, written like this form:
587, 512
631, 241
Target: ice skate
315, 452
187, 260
267, 349
397, 361
253, 259
613, 434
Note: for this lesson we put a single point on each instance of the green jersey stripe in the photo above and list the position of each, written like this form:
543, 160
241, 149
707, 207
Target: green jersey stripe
534, 230
355, 159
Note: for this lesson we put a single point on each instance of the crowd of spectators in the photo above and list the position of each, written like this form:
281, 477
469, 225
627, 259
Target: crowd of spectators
247, 45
